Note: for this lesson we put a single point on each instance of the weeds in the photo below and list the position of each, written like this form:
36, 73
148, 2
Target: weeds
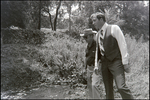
15, 68
138, 79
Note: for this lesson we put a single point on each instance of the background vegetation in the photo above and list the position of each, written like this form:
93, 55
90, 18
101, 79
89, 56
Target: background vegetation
40, 42
131, 16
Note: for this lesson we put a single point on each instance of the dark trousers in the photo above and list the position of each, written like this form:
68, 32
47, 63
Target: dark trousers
114, 70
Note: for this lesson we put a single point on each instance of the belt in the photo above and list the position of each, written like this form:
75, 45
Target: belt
103, 58
91, 65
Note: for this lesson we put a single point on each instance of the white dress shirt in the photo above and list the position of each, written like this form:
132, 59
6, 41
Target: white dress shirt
119, 36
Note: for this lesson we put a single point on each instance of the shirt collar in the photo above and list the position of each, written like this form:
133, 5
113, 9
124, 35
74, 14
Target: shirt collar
104, 27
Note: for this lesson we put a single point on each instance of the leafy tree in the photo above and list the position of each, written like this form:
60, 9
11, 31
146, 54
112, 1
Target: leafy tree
136, 17
48, 6
12, 13
69, 5
23, 14
131, 16
45, 22
33, 18
55, 19
39, 25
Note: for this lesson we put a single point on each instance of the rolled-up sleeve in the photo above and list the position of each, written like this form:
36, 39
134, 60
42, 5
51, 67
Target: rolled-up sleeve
117, 33
96, 52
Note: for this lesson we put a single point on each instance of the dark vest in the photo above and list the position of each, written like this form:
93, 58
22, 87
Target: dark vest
90, 53
111, 47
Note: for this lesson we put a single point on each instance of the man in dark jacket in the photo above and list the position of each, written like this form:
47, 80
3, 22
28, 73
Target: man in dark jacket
89, 36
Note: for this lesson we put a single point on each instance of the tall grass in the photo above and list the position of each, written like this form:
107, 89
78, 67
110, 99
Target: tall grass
138, 79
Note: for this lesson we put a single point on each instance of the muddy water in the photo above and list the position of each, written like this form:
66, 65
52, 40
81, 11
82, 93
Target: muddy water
43, 92
50, 92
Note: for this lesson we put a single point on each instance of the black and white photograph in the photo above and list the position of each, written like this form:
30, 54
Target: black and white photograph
75, 49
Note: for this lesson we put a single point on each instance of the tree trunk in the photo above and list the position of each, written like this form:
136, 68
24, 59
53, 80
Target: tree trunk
55, 20
50, 19
69, 18
39, 26
91, 9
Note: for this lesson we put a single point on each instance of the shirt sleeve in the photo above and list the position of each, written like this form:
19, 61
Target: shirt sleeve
117, 33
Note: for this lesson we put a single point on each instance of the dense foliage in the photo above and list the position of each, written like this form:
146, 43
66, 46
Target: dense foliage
23, 36
12, 14
131, 16
60, 56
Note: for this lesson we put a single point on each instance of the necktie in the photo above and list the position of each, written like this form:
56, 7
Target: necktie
101, 42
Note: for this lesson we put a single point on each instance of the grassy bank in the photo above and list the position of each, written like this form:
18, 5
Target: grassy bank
60, 59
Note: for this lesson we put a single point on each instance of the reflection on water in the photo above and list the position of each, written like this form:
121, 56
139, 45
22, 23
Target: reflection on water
13, 95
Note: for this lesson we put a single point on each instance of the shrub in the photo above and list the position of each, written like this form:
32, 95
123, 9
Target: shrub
77, 29
25, 36
64, 55
16, 67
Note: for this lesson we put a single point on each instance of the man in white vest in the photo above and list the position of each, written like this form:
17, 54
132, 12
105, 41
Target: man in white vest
111, 50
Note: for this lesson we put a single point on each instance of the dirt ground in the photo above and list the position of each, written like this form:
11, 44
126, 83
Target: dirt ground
47, 92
